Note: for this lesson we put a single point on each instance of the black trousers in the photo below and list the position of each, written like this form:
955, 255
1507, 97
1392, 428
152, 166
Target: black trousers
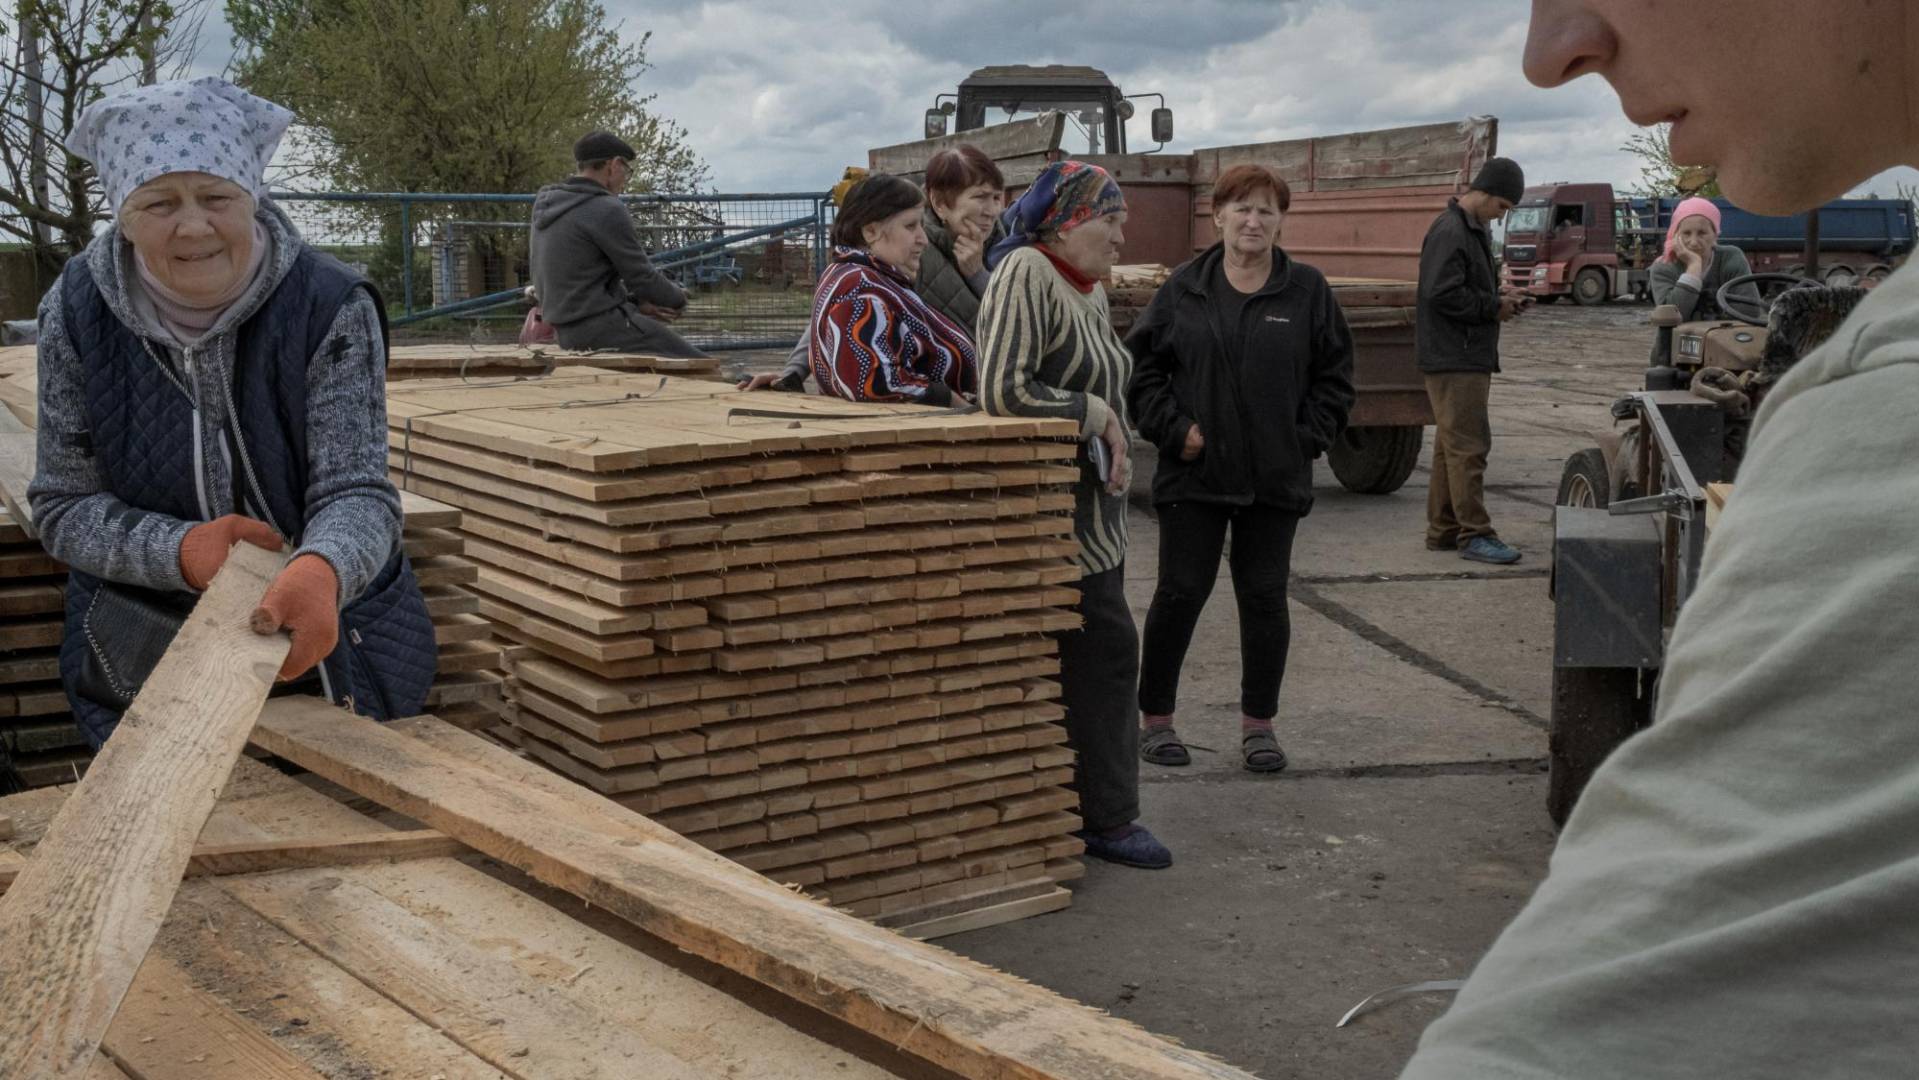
624, 329
1098, 668
1191, 537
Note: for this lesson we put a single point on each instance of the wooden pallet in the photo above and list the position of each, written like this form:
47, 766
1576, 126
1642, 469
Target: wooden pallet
771, 628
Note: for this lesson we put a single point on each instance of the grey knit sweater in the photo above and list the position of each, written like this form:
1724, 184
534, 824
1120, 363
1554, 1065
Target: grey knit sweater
353, 512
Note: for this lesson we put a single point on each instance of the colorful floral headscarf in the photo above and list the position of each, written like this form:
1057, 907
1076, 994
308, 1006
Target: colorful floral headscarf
1066, 195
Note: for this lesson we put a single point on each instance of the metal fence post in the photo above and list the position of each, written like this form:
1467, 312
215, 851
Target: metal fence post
406, 255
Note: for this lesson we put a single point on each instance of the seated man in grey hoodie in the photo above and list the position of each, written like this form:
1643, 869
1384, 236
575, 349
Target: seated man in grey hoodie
596, 286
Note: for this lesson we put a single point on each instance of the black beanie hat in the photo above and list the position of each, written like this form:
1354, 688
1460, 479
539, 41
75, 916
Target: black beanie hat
1501, 177
602, 146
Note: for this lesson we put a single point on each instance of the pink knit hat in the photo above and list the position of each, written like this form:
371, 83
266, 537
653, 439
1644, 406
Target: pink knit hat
1694, 207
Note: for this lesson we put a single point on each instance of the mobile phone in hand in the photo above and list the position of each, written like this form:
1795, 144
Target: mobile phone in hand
1102, 459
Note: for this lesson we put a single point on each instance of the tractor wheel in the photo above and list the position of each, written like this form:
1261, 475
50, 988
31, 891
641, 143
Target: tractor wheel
1586, 481
1591, 288
1594, 711
1376, 460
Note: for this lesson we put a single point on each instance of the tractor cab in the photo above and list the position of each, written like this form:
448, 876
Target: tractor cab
1090, 100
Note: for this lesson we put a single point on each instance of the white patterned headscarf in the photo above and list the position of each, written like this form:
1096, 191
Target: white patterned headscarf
206, 125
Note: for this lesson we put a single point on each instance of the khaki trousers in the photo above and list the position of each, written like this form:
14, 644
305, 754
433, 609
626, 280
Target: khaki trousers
1456, 501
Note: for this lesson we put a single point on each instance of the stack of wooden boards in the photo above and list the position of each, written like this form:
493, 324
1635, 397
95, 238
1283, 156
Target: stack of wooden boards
1366, 302
473, 361
467, 688
809, 634
36, 725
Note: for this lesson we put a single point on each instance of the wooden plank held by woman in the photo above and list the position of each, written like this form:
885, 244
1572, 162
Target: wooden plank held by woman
79, 919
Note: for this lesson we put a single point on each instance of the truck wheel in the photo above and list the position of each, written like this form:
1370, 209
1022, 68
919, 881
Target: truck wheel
1376, 460
1590, 287
1840, 276
1586, 481
1594, 711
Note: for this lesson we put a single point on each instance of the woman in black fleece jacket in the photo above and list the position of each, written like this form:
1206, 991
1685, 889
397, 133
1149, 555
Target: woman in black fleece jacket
1243, 375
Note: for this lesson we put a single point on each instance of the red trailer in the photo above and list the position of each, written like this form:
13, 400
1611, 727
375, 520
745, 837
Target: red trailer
1362, 203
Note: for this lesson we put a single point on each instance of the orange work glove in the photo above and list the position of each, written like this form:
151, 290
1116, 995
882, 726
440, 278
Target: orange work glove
305, 602
203, 551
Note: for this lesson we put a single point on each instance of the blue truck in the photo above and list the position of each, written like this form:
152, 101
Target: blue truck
1579, 240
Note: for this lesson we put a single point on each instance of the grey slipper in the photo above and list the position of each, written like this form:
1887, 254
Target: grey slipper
1161, 746
1262, 752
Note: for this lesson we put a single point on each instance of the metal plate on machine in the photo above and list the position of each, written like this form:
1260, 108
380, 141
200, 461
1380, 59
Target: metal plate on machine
1606, 575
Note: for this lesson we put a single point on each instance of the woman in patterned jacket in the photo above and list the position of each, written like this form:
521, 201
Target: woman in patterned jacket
872, 337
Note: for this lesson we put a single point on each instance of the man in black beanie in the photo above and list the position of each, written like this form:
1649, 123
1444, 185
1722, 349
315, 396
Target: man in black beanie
596, 286
1461, 305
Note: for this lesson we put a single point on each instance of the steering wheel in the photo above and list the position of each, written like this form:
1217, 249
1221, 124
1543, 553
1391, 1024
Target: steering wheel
1755, 312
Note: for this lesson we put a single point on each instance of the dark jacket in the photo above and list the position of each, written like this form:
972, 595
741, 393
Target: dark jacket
941, 284
1458, 322
586, 255
141, 424
1266, 410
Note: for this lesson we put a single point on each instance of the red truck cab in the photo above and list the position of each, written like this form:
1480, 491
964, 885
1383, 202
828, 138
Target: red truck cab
1561, 240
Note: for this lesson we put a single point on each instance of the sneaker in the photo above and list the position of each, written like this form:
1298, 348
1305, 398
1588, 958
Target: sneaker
1490, 549
1128, 845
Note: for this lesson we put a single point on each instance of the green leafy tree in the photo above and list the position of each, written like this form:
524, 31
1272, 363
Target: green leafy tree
454, 95
1660, 176
56, 58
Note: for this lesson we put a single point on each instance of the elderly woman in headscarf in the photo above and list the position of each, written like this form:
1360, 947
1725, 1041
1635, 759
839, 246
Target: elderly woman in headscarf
206, 378
1048, 350
1694, 264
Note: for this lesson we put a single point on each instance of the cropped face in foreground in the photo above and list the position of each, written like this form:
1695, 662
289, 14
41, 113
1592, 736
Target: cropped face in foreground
1793, 102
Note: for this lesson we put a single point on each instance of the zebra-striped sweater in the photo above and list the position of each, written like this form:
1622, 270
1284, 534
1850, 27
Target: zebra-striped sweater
1047, 349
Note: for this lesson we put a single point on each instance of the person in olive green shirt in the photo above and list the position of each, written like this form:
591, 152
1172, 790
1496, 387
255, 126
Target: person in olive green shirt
1737, 893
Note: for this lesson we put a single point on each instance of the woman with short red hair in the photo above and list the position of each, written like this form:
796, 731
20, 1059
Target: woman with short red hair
1243, 375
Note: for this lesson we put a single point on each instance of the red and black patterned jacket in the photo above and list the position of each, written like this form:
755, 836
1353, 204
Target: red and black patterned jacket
874, 339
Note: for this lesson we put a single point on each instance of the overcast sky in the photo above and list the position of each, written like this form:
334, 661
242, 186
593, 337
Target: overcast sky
782, 96
785, 95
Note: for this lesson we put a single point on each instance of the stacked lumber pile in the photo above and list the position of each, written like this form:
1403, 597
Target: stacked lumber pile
36, 725
496, 361
467, 687
808, 634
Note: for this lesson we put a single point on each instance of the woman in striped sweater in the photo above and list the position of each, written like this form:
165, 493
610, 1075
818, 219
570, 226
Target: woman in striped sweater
873, 338
1047, 349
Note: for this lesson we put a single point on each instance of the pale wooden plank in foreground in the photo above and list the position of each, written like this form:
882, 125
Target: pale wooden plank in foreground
946, 1009
82, 915
170, 1029
218, 859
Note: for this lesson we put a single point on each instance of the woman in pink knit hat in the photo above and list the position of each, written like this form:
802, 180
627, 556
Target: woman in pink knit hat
1695, 264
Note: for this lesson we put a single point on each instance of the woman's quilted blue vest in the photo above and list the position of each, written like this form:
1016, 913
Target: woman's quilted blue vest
142, 434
